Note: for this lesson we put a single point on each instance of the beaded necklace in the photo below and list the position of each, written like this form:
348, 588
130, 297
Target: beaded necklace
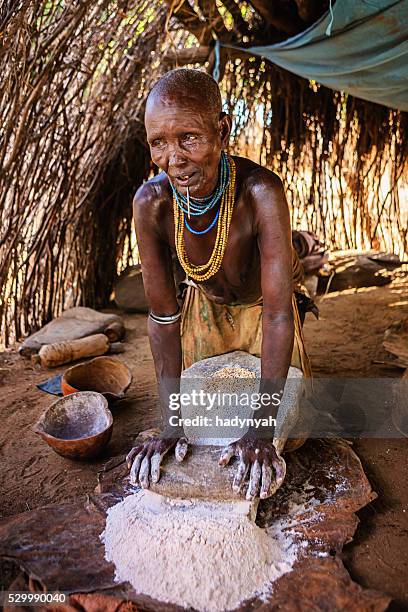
203, 272
198, 206
204, 231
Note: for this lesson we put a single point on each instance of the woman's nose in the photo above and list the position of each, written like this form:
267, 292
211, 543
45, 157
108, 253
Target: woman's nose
176, 155
170, 158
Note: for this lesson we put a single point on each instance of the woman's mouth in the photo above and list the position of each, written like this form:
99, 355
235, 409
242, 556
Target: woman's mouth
185, 180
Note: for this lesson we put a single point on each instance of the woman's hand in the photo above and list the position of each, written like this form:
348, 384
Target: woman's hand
144, 460
258, 458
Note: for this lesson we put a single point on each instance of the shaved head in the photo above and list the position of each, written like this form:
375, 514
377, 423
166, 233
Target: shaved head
187, 87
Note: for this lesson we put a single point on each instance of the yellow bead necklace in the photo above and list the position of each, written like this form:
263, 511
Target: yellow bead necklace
203, 272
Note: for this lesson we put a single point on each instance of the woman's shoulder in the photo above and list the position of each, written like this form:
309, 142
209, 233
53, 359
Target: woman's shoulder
253, 176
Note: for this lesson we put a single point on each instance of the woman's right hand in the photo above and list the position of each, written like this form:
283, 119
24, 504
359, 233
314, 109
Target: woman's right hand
144, 460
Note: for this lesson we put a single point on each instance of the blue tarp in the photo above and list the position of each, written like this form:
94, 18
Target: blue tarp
359, 47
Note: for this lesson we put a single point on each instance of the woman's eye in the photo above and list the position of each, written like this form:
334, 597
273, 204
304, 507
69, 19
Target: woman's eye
190, 137
157, 143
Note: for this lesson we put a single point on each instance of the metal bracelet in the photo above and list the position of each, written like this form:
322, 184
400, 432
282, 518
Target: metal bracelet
166, 320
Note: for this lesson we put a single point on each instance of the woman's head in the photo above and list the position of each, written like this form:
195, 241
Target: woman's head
187, 130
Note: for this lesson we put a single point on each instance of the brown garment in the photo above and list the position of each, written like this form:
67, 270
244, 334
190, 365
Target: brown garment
209, 329
298, 275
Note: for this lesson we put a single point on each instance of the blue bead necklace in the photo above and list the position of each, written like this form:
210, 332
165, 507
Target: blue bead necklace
200, 232
196, 207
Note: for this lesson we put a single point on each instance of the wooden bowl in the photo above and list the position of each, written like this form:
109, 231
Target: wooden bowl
105, 375
77, 426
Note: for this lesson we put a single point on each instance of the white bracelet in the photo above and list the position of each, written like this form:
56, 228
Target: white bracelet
166, 320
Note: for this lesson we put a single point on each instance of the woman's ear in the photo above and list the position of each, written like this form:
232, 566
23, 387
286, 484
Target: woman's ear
224, 125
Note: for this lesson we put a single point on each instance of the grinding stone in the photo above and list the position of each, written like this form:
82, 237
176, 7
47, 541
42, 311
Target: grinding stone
199, 476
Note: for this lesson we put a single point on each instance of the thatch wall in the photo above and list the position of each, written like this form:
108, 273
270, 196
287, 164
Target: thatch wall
74, 80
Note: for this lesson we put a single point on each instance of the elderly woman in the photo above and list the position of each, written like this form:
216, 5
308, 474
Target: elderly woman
225, 220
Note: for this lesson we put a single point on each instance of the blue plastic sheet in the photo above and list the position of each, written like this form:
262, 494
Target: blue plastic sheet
359, 47
52, 385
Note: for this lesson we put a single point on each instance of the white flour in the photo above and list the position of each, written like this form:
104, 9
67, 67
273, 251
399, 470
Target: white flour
199, 557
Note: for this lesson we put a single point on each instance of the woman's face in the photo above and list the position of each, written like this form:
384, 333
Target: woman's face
186, 142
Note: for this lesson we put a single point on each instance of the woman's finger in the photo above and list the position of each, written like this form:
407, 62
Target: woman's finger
266, 480
144, 472
240, 475
254, 480
279, 468
155, 462
134, 471
132, 454
181, 449
226, 455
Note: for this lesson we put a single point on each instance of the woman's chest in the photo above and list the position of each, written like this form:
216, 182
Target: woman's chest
236, 246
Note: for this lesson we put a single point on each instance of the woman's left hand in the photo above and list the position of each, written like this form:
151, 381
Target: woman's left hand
259, 458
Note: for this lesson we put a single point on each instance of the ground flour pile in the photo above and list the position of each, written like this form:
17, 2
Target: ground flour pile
194, 556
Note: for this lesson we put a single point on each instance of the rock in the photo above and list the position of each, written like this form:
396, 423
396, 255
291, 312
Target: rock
396, 341
358, 270
129, 291
74, 323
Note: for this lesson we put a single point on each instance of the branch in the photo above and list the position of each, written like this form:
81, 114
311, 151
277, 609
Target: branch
181, 57
199, 55
214, 19
240, 25
190, 20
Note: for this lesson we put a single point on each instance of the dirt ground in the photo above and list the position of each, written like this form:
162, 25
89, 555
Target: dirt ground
344, 342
